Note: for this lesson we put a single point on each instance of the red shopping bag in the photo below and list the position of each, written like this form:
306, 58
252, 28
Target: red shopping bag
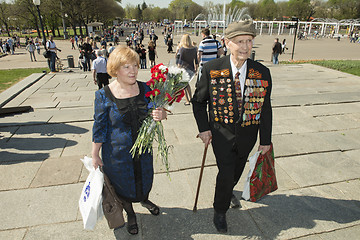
261, 178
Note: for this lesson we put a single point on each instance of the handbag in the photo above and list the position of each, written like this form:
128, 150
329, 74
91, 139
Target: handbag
261, 179
112, 205
47, 54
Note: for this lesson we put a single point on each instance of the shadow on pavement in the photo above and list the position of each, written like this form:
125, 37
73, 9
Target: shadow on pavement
32, 138
274, 214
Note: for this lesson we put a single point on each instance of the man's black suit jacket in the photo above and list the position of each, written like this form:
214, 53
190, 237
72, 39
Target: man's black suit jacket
215, 107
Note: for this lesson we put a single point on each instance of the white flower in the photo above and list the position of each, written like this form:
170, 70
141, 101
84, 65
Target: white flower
185, 76
175, 70
162, 68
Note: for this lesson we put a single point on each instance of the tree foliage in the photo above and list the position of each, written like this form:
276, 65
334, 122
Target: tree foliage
23, 14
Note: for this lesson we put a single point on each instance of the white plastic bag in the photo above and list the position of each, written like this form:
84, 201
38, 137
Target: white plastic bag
252, 164
90, 202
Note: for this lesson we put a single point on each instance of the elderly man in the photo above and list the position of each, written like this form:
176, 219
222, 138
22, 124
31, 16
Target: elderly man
99, 72
236, 90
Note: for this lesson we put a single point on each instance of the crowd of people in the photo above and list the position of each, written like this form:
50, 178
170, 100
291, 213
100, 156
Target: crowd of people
10, 44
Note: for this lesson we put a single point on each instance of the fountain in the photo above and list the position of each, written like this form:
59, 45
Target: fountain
215, 18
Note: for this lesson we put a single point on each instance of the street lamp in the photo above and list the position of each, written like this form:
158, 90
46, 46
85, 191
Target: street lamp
37, 4
295, 25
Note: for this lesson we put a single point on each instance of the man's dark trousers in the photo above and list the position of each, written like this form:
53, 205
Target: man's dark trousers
102, 79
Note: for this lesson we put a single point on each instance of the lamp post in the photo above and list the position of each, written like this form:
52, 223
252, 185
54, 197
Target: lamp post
37, 4
63, 21
296, 27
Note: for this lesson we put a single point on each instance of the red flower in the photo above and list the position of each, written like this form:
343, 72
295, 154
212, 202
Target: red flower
149, 94
156, 92
168, 97
150, 83
161, 77
182, 94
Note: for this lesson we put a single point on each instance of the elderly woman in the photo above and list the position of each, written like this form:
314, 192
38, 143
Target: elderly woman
120, 109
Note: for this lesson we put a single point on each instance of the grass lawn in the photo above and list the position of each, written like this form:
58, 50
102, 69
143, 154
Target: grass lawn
348, 66
12, 76
34, 35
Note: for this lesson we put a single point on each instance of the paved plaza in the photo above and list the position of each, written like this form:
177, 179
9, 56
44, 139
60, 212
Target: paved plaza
316, 129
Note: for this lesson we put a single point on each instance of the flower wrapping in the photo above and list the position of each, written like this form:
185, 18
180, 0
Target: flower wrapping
261, 178
167, 86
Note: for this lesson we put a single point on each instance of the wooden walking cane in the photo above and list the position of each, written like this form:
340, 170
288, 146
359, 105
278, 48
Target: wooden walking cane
200, 177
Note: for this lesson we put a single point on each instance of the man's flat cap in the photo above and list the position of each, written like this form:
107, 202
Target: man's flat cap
235, 29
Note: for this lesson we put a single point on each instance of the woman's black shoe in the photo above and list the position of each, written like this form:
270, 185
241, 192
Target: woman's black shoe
153, 209
132, 226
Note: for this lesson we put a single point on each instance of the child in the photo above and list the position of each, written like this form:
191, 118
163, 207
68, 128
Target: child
37, 46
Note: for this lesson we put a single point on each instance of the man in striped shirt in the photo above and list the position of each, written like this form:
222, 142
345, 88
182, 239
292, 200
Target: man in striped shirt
209, 48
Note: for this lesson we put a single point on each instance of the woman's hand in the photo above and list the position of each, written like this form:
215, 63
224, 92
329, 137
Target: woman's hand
159, 114
205, 137
96, 161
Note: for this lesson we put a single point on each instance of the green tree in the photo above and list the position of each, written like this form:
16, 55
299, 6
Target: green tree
26, 11
5, 10
345, 9
236, 3
301, 9
184, 9
266, 9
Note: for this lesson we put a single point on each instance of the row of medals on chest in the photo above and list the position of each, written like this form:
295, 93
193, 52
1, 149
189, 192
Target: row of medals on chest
252, 93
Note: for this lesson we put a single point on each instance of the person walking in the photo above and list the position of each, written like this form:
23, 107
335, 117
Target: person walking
11, 45
143, 57
276, 51
51, 46
31, 49
188, 59
37, 46
283, 46
99, 72
170, 45
87, 50
152, 53
111, 48
72, 40
231, 105
120, 109
76, 40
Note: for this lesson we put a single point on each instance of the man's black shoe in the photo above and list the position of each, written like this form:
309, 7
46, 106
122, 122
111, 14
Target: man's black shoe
220, 222
234, 203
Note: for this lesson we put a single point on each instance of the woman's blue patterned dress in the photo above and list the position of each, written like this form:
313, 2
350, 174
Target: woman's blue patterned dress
116, 126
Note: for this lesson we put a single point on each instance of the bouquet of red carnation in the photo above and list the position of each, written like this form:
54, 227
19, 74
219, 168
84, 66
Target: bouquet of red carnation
167, 86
